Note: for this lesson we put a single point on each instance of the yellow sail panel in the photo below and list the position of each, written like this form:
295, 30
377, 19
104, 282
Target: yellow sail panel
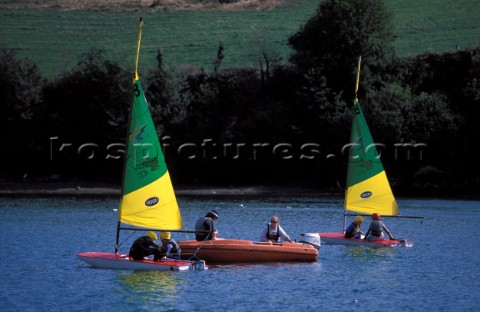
372, 195
152, 206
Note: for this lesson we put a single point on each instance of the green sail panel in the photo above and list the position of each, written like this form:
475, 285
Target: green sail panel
145, 161
364, 161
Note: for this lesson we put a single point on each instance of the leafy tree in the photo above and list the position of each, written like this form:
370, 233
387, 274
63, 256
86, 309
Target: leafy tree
21, 88
337, 35
384, 110
96, 92
430, 119
218, 60
468, 135
444, 109
163, 95
88, 105
319, 112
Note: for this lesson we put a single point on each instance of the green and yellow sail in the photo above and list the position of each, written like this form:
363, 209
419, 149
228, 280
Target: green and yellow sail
368, 189
148, 199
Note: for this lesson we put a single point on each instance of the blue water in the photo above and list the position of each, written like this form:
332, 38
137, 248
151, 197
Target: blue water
39, 238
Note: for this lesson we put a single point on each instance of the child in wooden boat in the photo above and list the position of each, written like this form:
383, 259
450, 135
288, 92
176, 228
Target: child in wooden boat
145, 246
204, 228
375, 231
353, 230
273, 232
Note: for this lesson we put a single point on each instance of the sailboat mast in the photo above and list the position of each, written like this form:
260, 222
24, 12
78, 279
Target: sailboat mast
358, 80
140, 27
139, 38
355, 100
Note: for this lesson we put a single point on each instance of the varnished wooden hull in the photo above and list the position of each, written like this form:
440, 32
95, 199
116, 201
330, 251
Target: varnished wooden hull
238, 251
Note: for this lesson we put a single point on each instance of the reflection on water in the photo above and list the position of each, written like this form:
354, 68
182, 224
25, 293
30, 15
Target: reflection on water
368, 250
150, 287
258, 266
367, 253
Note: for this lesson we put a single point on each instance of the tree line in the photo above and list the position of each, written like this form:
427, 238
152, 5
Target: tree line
278, 122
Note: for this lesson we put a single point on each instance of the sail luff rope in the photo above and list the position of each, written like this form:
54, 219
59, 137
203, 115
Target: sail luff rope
357, 82
139, 38
138, 47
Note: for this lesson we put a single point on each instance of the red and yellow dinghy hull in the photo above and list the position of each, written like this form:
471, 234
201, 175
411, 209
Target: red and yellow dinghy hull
110, 260
339, 239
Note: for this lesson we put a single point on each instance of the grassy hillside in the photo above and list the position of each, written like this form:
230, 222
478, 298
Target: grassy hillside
151, 5
435, 25
54, 37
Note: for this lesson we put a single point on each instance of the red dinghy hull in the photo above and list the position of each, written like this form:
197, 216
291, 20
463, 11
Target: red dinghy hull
110, 260
339, 239
237, 251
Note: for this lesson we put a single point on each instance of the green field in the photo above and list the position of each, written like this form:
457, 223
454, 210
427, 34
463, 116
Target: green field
55, 38
435, 25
